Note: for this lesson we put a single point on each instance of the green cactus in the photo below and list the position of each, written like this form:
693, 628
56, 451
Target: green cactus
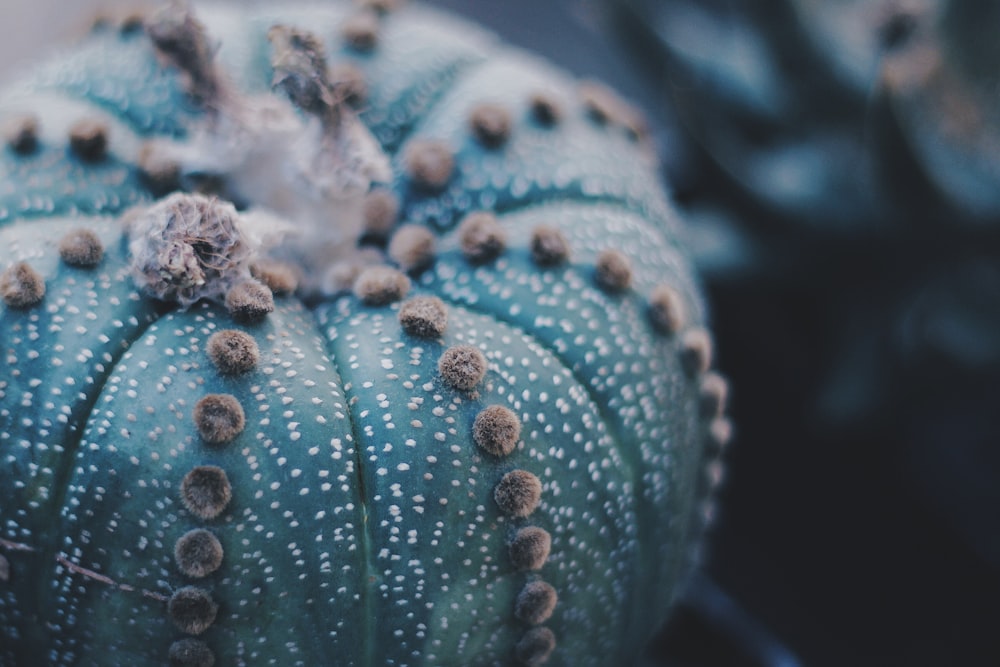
489, 444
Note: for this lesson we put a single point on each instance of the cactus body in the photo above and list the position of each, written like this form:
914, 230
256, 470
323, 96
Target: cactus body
317, 486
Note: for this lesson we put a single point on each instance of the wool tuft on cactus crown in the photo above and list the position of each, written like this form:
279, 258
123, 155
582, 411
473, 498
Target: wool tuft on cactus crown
340, 334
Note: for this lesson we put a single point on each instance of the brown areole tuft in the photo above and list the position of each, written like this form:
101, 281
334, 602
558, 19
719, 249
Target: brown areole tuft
462, 367
496, 430
424, 317
81, 247
219, 418
192, 609
21, 286
233, 352
518, 493
205, 491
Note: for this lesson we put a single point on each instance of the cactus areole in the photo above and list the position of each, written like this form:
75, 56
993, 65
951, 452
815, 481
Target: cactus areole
242, 423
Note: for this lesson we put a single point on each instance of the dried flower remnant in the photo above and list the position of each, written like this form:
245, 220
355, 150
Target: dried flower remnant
206, 491
190, 652
424, 317
496, 430
381, 285
21, 286
536, 602
462, 367
192, 609
300, 71
88, 139
482, 237
82, 248
21, 133
188, 247
181, 39
198, 553
310, 170
530, 548
518, 493
535, 647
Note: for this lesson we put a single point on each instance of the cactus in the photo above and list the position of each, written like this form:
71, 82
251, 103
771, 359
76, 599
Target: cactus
272, 397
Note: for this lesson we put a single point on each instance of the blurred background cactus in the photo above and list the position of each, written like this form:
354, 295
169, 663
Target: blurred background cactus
841, 158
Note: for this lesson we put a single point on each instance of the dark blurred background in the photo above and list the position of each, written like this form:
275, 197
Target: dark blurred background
839, 161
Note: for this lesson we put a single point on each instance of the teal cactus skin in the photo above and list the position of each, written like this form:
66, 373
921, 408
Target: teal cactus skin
359, 521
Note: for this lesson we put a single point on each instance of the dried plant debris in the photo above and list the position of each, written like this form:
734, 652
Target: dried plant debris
188, 247
182, 40
301, 156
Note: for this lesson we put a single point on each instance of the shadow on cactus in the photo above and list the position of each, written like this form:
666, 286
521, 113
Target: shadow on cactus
340, 335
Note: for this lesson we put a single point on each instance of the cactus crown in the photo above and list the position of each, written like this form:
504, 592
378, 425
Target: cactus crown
307, 429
